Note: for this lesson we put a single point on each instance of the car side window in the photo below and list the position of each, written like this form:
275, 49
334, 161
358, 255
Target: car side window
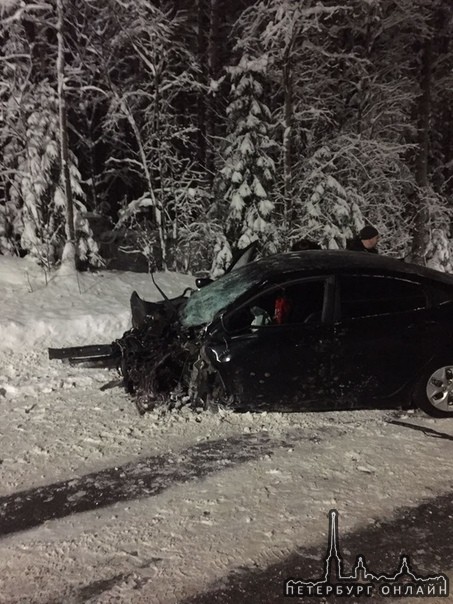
293, 303
365, 296
439, 294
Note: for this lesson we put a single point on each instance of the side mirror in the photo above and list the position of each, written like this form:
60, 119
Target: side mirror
202, 282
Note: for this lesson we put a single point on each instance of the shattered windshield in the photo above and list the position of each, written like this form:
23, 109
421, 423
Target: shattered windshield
205, 303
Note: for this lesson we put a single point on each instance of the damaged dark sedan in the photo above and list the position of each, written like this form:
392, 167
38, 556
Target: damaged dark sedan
313, 330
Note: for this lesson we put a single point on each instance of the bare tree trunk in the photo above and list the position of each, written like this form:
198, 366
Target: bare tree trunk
64, 150
160, 176
445, 17
157, 210
201, 102
214, 69
419, 241
447, 145
287, 139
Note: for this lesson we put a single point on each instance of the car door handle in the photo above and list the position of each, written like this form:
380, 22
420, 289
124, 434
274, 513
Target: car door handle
340, 332
302, 344
412, 328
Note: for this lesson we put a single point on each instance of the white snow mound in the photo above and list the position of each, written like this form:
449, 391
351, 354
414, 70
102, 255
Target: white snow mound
39, 310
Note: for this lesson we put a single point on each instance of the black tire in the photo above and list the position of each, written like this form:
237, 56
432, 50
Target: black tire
433, 392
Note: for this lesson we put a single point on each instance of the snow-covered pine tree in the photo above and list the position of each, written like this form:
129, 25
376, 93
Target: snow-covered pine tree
33, 198
38, 189
13, 70
439, 249
353, 117
310, 201
248, 173
295, 35
329, 213
432, 212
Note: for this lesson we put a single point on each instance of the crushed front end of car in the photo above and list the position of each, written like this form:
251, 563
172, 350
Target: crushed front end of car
161, 358
155, 357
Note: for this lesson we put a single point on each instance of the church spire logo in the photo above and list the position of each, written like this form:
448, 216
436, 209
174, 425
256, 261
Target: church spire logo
363, 582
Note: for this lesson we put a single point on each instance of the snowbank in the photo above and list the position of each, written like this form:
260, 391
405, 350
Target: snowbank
70, 309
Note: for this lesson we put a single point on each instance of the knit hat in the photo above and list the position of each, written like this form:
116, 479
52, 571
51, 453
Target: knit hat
368, 232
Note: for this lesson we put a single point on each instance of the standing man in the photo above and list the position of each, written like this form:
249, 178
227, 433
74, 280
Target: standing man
366, 241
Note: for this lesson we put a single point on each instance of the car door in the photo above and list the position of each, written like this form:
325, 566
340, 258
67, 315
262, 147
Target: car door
274, 349
381, 339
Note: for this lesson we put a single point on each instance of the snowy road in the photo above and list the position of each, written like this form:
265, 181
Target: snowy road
166, 508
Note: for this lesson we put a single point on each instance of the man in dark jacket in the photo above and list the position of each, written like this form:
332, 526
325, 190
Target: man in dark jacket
366, 241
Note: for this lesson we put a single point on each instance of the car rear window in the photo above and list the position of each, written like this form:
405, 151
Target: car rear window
439, 293
365, 296
205, 303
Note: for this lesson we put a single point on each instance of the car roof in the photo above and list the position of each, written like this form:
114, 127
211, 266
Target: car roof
278, 266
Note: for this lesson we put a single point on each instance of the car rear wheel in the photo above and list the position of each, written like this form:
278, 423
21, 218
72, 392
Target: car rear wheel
434, 392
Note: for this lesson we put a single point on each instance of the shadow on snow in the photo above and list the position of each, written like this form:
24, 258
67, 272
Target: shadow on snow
424, 533
144, 478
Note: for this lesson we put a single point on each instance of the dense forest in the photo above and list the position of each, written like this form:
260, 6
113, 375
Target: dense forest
183, 130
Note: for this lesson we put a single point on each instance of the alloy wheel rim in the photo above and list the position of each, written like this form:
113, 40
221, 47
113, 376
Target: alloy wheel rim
439, 389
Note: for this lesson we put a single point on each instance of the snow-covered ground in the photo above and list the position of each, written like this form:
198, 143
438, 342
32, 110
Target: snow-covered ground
165, 507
